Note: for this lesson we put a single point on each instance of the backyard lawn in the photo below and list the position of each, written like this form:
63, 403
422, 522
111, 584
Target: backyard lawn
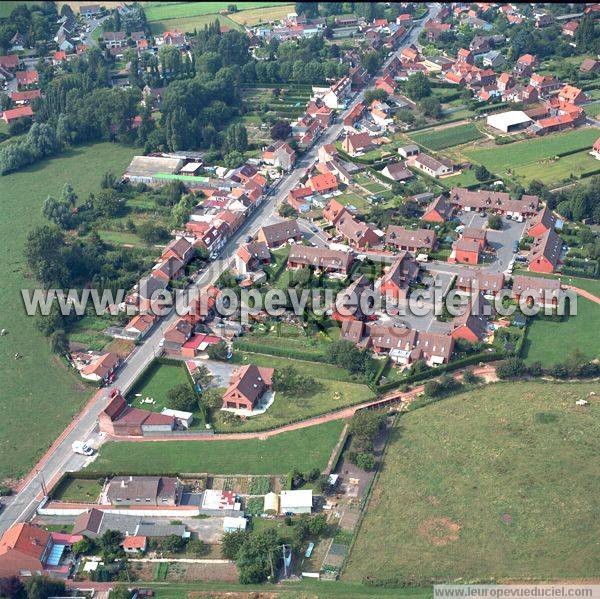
446, 138
498, 483
550, 342
533, 153
303, 449
78, 490
155, 383
38, 383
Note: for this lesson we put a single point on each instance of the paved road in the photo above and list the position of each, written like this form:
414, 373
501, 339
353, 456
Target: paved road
60, 457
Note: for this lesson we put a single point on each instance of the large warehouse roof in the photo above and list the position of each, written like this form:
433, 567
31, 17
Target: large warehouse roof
146, 166
504, 121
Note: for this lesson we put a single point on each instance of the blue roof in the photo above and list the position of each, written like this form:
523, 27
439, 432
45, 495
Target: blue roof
55, 555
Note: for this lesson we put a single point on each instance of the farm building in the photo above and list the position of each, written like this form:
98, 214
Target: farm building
510, 121
296, 502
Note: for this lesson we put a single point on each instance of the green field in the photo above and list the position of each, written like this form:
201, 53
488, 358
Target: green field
550, 342
304, 449
78, 490
37, 391
160, 11
155, 383
446, 138
556, 171
495, 484
504, 158
7, 6
189, 24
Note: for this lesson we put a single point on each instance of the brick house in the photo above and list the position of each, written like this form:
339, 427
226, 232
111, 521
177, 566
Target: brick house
439, 211
396, 281
247, 385
541, 223
545, 252
278, 233
322, 258
411, 240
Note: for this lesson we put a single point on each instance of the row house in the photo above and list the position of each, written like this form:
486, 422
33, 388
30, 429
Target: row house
280, 154
438, 211
279, 233
411, 240
347, 306
395, 283
498, 202
471, 281
545, 252
323, 259
472, 323
354, 115
320, 112
335, 96
356, 233
540, 291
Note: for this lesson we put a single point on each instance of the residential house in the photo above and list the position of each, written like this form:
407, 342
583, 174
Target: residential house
177, 334
150, 295
180, 249
525, 65
323, 183
246, 386
279, 233
434, 167
387, 84
395, 283
475, 281
252, 256
536, 290
397, 171
495, 201
471, 325
493, 59
354, 115
333, 211
505, 81
299, 198
347, 307
357, 233
358, 76
90, 11
409, 150
465, 251
570, 94
334, 97
14, 114
439, 211
24, 550
101, 369
114, 39
144, 490
280, 154
412, 240
119, 419
596, 149
545, 84
545, 252
323, 114
465, 56
541, 223
569, 29
134, 545
140, 325
478, 235
27, 79
589, 66
321, 258
357, 144
24, 98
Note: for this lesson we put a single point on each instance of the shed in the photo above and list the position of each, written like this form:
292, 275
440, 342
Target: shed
185, 419
271, 505
232, 524
296, 502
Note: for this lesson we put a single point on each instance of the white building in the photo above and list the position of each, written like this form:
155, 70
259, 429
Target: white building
509, 121
232, 524
295, 502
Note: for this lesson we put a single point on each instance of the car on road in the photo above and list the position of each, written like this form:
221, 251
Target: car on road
515, 246
314, 229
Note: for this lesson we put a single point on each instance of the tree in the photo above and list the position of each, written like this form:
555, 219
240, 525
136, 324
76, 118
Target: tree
182, 397
108, 180
202, 376
431, 107
281, 130
86, 545
371, 61
107, 203
511, 368
196, 547
417, 86
44, 255
345, 354
287, 211
232, 542
365, 426
375, 94
110, 543
12, 587
317, 525
59, 343
218, 351
233, 159
121, 592
482, 174
258, 554
173, 544
494, 222
235, 138
151, 232
42, 587
365, 461
58, 212
212, 398
288, 380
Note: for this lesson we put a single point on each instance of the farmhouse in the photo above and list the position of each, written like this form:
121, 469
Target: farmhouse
410, 239
321, 258
143, 490
279, 233
247, 385
571, 95
102, 368
545, 252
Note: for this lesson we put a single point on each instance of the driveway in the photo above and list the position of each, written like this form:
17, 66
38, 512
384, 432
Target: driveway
222, 371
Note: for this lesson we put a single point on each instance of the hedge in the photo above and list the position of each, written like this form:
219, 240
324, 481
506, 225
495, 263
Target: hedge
434, 372
282, 352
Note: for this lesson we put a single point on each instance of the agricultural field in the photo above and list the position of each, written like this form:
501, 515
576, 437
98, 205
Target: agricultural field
502, 159
553, 172
189, 24
160, 11
547, 340
446, 138
286, 102
38, 383
304, 449
474, 487
252, 16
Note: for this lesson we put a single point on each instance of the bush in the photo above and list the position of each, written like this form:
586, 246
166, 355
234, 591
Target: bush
365, 461
511, 369
495, 222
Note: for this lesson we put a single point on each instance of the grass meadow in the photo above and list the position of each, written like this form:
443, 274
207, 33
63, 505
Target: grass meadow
495, 484
447, 138
39, 395
303, 449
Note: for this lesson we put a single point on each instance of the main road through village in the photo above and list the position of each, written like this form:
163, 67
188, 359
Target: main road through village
60, 457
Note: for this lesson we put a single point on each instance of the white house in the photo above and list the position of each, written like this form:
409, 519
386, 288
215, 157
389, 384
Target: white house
295, 502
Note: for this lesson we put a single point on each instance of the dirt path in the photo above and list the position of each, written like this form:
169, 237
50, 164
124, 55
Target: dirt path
488, 373
584, 293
